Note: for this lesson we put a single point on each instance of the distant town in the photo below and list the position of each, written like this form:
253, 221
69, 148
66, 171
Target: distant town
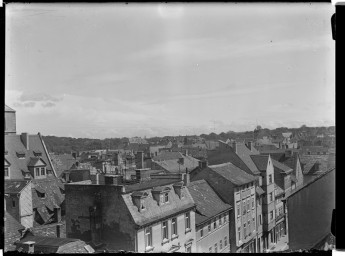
227, 192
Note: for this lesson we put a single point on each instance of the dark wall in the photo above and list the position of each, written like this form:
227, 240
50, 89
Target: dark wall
310, 212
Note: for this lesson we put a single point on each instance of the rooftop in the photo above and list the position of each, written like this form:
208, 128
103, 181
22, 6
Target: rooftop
208, 204
15, 186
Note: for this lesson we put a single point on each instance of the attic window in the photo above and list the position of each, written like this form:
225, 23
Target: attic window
21, 155
41, 195
37, 153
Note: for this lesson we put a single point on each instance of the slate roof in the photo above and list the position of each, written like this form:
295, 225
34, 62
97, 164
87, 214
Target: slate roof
62, 162
15, 186
11, 233
54, 244
326, 162
167, 156
244, 153
208, 204
14, 144
34, 160
261, 161
281, 167
233, 173
155, 212
174, 166
53, 196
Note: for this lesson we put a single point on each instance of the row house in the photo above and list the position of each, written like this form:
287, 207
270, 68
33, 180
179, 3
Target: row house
154, 216
211, 218
235, 187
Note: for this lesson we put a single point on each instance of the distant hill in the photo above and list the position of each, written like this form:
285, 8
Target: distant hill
67, 144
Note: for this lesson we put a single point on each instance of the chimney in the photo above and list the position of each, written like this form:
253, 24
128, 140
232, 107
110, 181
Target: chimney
67, 176
250, 145
74, 155
203, 164
140, 160
57, 213
25, 139
58, 229
31, 246
234, 146
186, 178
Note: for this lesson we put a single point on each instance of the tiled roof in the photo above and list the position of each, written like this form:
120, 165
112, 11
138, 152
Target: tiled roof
208, 204
14, 144
314, 149
244, 153
34, 160
11, 233
54, 244
155, 212
326, 162
174, 165
167, 156
148, 184
62, 162
53, 196
8, 109
233, 173
261, 161
281, 167
15, 186
266, 147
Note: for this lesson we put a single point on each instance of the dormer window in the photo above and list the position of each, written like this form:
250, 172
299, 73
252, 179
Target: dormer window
138, 200
179, 189
161, 195
37, 153
7, 172
41, 195
21, 155
166, 197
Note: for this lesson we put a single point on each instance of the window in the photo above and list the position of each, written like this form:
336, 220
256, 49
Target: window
225, 218
41, 195
271, 196
260, 219
189, 248
270, 179
220, 220
225, 241
253, 223
201, 232
244, 230
174, 227
253, 202
249, 227
165, 230
43, 172
243, 208
220, 245
161, 199
148, 237
238, 209
13, 202
209, 227
37, 171
239, 233
271, 215
215, 224
210, 249
166, 197
248, 205
215, 248
187, 220
7, 173
142, 206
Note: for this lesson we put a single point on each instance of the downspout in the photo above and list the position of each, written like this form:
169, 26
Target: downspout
46, 151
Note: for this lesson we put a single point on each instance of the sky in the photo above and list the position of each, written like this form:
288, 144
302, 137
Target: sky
123, 70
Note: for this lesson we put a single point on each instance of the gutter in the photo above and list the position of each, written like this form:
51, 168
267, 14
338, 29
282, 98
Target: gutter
46, 151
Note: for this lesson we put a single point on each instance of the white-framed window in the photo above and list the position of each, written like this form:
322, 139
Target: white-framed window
215, 224
220, 245
37, 171
253, 202
244, 229
220, 220
253, 220
148, 237
225, 218
215, 248
209, 227
248, 204
271, 196
201, 232
188, 248
174, 226
270, 179
43, 171
165, 230
271, 215
249, 226
239, 233
225, 241
187, 220
238, 209
7, 171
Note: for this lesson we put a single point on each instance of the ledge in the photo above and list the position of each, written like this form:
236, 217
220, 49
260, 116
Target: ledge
149, 249
165, 241
188, 230
174, 237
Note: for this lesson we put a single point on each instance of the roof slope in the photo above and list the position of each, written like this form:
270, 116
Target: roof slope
208, 204
174, 165
62, 162
233, 173
282, 167
15, 186
11, 233
8, 109
155, 212
13, 144
244, 153
167, 156
260, 161
326, 162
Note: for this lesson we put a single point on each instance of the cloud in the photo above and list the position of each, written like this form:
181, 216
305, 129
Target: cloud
38, 97
48, 105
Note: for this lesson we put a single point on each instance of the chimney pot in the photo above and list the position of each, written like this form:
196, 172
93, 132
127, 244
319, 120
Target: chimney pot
234, 146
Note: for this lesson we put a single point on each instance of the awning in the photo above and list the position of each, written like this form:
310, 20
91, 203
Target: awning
259, 191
